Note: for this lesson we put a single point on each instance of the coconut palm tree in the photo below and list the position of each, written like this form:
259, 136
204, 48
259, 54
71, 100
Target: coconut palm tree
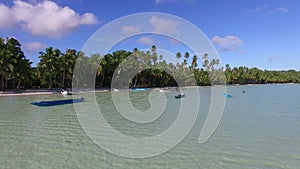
66, 63
48, 65
9, 51
178, 55
23, 72
194, 63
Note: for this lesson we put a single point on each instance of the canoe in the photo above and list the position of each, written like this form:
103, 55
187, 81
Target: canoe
180, 96
57, 102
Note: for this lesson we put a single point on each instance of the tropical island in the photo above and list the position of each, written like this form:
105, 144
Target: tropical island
55, 69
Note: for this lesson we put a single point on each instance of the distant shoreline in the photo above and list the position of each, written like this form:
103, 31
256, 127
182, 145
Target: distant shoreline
29, 92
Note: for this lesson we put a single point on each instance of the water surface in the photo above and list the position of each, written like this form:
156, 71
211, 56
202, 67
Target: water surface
259, 129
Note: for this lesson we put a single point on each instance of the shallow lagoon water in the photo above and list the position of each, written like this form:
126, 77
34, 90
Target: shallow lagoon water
259, 129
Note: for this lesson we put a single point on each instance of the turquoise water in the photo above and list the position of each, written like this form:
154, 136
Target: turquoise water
259, 129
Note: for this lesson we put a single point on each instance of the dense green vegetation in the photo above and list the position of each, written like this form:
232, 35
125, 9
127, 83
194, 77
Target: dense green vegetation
55, 69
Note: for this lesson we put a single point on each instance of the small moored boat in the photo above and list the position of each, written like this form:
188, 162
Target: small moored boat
227, 95
65, 92
180, 96
139, 89
57, 102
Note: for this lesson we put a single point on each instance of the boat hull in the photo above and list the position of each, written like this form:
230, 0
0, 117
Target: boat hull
57, 102
179, 96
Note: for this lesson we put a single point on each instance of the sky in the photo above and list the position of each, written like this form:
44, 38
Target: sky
252, 33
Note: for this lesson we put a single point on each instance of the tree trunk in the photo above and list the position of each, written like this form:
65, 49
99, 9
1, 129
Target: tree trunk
50, 82
2, 82
19, 83
63, 79
6, 80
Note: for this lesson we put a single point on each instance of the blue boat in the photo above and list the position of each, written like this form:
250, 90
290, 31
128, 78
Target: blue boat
57, 102
139, 89
227, 95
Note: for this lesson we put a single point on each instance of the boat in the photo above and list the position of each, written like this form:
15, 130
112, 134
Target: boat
65, 92
116, 90
227, 95
139, 89
58, 102
181, 95
162, 90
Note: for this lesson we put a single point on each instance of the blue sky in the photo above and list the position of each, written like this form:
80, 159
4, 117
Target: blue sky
253, 33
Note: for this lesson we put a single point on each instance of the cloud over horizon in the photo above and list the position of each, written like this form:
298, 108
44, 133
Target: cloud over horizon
270, 9
228, 43
130, 29
32, 46
43, 18
146, 41
161, 25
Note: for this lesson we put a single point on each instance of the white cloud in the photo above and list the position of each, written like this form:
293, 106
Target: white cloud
146, 40
174, 41
32, 46
161, 25
260, 8
46, 18
130, 29
7, 19
228, 43
282, 10
270, 9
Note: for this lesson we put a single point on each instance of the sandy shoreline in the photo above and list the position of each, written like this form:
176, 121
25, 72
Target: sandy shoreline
47, 91
28, 92
41, 92
56, 91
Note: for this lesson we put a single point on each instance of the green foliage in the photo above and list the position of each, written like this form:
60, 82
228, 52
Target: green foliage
14, 67
55, 69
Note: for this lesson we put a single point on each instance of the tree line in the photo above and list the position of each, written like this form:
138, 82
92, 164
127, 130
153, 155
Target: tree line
55, 69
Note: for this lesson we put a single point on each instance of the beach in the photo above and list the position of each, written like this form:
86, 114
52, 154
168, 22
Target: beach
28, 92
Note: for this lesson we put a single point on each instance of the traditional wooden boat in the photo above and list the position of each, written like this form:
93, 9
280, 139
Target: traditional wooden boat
57, 102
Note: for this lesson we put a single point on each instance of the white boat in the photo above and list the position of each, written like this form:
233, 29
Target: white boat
163, 90
65, 92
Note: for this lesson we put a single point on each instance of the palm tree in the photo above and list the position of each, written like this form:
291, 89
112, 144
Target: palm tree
23, 72
66, 63
186, 55
48, 65
205, 61
95, 66
194, 62
8, 49
178, 55
22, 68
154, 54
